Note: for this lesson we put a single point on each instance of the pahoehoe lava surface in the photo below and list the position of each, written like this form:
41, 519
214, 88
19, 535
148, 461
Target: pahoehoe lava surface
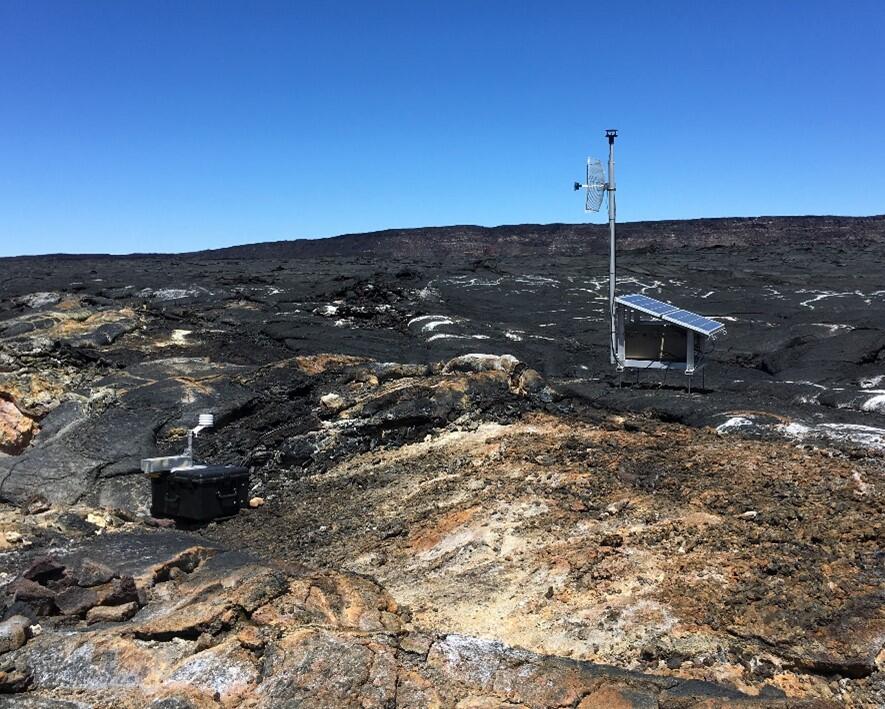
460, 507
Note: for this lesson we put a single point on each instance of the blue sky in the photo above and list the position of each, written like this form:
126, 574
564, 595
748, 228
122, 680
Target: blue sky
172, 126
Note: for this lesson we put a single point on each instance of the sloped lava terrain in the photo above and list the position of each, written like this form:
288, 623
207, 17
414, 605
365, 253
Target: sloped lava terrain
456, 502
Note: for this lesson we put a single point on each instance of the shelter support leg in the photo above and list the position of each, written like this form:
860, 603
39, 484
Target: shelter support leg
689, 357
620, 346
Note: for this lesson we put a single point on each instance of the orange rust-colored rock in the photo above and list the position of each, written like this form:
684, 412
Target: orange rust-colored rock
16, 429
618, 698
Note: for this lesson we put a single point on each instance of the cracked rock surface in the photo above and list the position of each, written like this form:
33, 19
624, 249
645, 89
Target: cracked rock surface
221, 628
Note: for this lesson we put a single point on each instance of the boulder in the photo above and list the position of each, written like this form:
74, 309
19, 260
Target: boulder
118, 592
45, 569
106, 334
92, 573
76, 600
14, 681
13, 633
481, 363
333, 402
33, 595
111, 614
528, 382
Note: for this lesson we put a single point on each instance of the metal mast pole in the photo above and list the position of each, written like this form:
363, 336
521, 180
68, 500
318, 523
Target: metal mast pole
612, 212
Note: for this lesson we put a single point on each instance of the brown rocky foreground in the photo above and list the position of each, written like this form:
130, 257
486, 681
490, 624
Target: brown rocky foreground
192, 625
512, 550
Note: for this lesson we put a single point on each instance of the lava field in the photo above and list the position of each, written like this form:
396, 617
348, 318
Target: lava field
456, 502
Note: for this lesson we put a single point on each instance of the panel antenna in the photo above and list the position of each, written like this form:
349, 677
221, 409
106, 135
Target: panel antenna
595, 186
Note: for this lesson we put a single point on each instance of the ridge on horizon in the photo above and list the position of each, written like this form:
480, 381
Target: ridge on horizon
632, 235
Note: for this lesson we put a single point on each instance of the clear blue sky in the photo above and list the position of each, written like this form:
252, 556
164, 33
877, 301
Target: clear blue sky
169, 126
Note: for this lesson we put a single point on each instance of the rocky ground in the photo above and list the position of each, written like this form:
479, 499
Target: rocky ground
458, 505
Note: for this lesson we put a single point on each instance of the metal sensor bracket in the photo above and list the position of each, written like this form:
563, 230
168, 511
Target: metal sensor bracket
164, 464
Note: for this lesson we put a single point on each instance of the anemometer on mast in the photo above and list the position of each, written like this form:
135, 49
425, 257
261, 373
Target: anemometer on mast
644, 333
595, 187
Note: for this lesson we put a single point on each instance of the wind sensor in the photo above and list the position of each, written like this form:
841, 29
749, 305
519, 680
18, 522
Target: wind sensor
644, 333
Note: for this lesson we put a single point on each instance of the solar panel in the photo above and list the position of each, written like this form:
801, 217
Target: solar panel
670, 313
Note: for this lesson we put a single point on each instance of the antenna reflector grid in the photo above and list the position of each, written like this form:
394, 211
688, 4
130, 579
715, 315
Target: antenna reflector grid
595, 185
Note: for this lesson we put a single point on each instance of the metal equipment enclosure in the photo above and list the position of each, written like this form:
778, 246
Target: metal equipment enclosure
652, 334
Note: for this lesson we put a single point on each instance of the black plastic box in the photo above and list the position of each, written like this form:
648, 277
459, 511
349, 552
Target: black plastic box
200, 493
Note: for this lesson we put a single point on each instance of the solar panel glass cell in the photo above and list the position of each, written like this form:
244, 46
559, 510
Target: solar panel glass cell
693, 321
643, 302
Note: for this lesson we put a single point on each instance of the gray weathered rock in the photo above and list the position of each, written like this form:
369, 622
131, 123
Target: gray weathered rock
482, 363
38, 300
76, 600
89, 572
13, 633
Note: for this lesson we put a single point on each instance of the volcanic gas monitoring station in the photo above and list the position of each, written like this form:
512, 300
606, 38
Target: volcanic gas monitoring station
645, 333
